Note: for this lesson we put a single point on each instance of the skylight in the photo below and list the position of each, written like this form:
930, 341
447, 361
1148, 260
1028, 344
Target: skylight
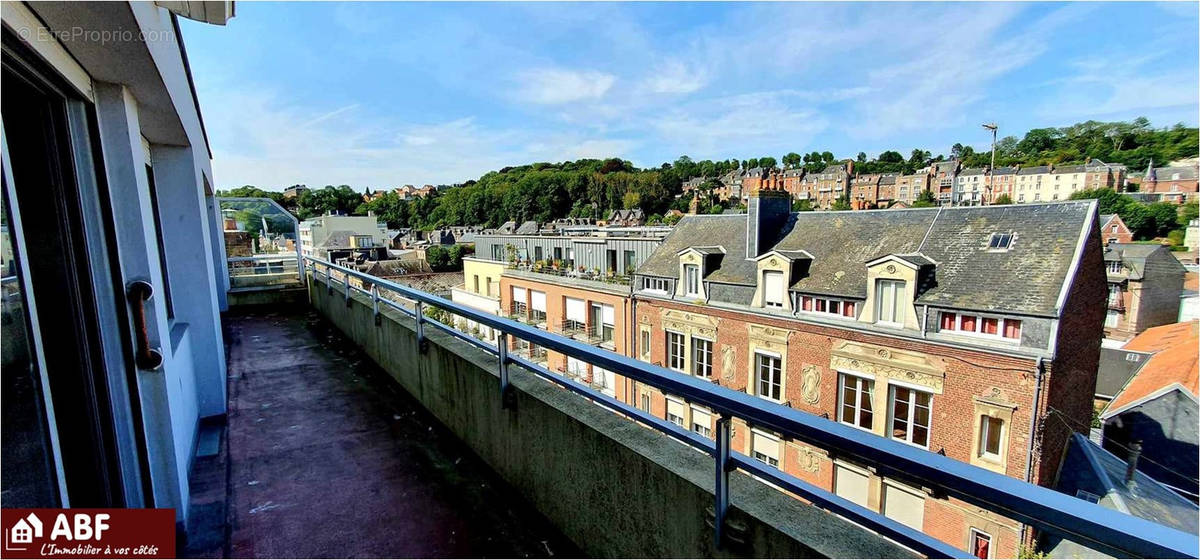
1000, 242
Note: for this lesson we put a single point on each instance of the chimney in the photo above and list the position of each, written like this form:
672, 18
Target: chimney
767, 211
1135, 451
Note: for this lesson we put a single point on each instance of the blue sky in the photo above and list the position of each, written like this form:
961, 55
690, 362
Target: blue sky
379, 95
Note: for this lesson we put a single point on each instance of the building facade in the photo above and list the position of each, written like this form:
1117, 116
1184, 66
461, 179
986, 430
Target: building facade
1171, 184
1145, 284
590, 249
315, 232
902, 323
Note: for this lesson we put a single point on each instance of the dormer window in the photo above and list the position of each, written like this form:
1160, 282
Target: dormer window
1000, 242
889, 302
1114, 267
773, 289
691, 280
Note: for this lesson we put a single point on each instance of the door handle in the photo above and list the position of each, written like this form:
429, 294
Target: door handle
147, 357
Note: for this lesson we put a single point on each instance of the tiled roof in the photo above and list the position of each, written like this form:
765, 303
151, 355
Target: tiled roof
967, 275
1174, 362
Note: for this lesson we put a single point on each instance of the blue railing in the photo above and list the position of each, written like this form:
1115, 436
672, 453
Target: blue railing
1086, 523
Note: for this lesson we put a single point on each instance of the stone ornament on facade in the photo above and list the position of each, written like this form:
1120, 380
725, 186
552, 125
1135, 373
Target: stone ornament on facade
911, 367
810, 387
727, 359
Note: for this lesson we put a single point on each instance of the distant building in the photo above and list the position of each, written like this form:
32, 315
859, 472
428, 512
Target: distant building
910, 187
1117, 367
1145, 283
295, 191
1114, 230
627, 218
1102, 175
943, 175
864, 191
970, 187
1158, 407
1191, 236
1171, 184
315, 231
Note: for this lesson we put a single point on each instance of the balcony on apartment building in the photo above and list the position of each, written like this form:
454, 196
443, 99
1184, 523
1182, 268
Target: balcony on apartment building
568, 275
347, 389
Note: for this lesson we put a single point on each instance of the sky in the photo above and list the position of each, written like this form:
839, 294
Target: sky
378, 95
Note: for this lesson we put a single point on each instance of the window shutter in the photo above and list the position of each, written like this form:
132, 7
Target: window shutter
519, 295
608, 314
576, 310
773, 286
538, 301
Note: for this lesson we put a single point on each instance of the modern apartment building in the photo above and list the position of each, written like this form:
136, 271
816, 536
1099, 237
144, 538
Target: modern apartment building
316, 232
588, 249
112, 342
1145, 283
908, 324
481, 290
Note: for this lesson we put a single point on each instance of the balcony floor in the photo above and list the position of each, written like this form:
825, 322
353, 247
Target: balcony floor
324, 456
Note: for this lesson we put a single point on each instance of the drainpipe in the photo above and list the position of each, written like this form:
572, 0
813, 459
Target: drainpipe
924, 321
629, 344
1039, 373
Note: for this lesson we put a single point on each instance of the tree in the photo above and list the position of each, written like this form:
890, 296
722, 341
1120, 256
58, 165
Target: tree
792, 160
925, 200
767, 162
671, 219
804, 205
861, 157
1002, 200
1166, 217
841, 204
630, 200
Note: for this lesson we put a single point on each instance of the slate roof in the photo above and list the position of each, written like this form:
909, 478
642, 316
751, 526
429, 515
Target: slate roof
1070, 169
1174, 362
967, 275
1105, 218
1117, 366
1035, 170
887, 179
1185, 173
1089, 468
528, 228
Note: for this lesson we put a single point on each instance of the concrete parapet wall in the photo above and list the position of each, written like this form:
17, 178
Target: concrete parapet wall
614, 487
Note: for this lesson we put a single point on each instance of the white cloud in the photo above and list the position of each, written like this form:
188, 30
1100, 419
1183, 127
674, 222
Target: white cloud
1122, 87
723, 127
549, 86
676, 76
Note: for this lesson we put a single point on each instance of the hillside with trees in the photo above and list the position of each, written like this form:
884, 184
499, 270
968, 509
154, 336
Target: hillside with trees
593, 187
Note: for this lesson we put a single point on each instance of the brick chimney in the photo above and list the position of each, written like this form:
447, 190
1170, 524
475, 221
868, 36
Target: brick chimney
766, 213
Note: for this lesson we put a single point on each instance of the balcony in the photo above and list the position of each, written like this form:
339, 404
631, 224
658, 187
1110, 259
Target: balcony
705, 499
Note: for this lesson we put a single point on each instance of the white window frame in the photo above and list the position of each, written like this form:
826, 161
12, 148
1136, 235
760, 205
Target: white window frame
910, 422
763, 457
705, 429
776, 384
1116, 267
985, 428
991, 542
898, 288
691, 280
677, 362
864, 391
1001, 323
830, 304
1000, 241
699, 361
655, 285
667, 412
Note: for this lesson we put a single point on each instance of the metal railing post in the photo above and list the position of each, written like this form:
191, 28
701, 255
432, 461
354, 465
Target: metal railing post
328, 281
420, 316
721, 490
502, 354
375, 303
346, 278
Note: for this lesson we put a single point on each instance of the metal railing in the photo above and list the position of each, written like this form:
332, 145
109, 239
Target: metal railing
1090, 524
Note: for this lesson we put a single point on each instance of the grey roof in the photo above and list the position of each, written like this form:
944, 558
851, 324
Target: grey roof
507, 227
1005, 171
1185, 173
1117, 366
529, 227
967, 275
1090, 468
1104, 218
1035, 170
1070, 169
337, 240
887, 179
972, 171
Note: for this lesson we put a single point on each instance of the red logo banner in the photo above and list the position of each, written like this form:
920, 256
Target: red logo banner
88, 533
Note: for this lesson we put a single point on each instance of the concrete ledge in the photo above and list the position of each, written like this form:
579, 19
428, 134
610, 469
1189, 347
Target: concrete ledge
275, 295
615, 488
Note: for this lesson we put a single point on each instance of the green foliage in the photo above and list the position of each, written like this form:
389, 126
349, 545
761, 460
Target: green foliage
445, 259
925, 200
671, 219
1188, 212
841, 204
1002, 199
1145, 221
802, 206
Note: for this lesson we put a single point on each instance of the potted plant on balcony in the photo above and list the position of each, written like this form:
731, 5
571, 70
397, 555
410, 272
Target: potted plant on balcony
539, 265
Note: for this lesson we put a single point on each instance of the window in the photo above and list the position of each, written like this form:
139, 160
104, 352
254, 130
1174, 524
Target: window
981, 544
701, 422
990, 429
1115, 267
477, 283
655, 285
857, 401
675, 351
162, 247
645, 345
773, 289
910, 415
904, 504
602, 324
537, 254
1112, 318
691, 280
1114, 294
889, 301
769, 376
1000, 242
520, 303
675, 412
702, 358
765, 448
630, 262
646, 402
537, 302
995, 327
828, 306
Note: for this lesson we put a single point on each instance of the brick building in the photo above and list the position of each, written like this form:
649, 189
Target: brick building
904, 323
832, 183
1145, 283
1114, 230
864, 191
1172, 184
1102, 175
910, 187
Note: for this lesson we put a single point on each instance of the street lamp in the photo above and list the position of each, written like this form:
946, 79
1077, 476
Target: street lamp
991, 170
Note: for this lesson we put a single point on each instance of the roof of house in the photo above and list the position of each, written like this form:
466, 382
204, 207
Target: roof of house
887, 179
1134, 256
1105, 218
1174, 365
337, 239
1117, 366
1188, 173
528, 227
967, 274
1035, 170
972, 171
1070, 169
1089, 468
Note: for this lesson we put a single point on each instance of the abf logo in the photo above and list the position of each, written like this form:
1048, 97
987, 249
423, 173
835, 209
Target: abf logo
79, 527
